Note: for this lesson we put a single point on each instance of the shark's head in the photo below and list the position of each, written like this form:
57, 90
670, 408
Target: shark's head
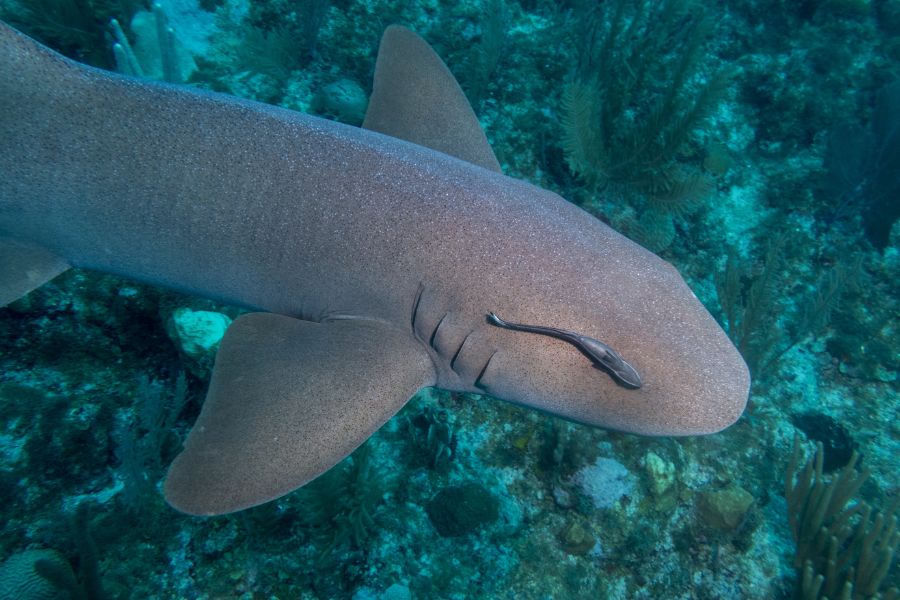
635, 350
597, 329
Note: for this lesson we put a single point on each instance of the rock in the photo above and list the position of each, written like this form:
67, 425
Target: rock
576, 540
724, 509
562, 497
397, 592
660, 473
605, 482
343, 100
198, 332
459, 510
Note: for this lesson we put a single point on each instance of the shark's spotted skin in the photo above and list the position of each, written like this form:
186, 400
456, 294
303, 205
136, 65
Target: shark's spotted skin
373, 261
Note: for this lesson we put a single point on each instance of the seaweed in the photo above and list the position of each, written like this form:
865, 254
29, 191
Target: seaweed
342, 503
299, 19
487, 52
638, 94
750, 294
864, 167
76, 28
433, 433
87, 583
144, 444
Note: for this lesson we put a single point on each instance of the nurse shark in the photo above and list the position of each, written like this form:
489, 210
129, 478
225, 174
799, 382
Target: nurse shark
377, 261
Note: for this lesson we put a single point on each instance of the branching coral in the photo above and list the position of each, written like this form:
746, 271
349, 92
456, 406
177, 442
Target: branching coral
843, 551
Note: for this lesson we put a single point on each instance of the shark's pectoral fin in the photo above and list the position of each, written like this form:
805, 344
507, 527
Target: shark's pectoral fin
287, 401
24, 267
416, 98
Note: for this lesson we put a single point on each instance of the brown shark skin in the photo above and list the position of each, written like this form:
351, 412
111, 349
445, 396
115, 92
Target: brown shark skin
292, 214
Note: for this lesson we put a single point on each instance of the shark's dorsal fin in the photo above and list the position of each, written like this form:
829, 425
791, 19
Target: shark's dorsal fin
287, 401
416, 98
24, 267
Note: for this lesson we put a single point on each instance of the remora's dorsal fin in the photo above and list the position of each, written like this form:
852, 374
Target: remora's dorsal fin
24, 267
288, 399
416, 98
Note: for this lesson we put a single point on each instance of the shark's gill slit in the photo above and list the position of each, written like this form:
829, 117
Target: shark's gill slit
600, 354
415, 308
458, 350
434, 333
484, 369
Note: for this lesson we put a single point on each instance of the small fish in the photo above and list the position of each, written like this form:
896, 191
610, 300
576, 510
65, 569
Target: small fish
599, 353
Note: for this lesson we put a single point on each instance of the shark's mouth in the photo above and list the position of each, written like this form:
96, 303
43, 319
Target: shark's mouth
602, 355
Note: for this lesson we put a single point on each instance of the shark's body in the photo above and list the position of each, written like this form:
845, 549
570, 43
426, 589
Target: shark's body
375, 259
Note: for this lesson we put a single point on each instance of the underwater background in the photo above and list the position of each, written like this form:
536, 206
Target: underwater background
754, 144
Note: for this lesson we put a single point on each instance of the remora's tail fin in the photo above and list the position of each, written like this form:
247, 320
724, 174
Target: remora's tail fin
416, 98
288, 400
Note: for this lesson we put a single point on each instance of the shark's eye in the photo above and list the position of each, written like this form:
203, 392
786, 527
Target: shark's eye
602, 355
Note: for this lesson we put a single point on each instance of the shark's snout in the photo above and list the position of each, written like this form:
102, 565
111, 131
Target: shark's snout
663, 367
